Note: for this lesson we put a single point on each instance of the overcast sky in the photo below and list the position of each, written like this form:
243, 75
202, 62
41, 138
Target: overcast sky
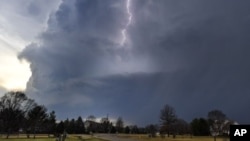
129, 58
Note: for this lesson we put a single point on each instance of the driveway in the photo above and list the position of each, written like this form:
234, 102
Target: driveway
112, 137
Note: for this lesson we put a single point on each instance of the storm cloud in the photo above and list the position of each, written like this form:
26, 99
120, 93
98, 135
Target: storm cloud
192, 55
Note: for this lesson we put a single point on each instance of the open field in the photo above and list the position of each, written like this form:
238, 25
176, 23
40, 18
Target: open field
45, 138
178, 138
112, 137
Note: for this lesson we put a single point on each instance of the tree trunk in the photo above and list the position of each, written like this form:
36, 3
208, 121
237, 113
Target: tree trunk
174, 135
34, 134
8, 134
27, 133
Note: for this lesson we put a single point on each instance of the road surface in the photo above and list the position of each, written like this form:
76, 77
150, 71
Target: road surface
112, 137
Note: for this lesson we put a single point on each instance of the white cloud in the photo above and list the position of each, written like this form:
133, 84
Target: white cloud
21, 21
14, 73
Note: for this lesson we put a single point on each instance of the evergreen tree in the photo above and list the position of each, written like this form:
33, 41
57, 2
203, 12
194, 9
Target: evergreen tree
80, 128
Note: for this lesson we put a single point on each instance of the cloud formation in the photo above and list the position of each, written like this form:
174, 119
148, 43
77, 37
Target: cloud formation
191, 55
20, 23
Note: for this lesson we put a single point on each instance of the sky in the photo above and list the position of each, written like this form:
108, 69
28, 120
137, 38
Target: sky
128, 58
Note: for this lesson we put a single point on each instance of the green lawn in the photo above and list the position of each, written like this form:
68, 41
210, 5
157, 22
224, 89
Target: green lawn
45, 138
178, 138
89, 138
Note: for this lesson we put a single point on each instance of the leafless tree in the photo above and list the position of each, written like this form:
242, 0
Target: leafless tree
167, 118
216, 119
119, 125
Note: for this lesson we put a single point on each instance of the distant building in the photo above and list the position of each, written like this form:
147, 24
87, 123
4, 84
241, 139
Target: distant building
91, 126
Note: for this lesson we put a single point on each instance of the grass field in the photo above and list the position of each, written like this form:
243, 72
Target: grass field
90, 138
178, 138
45, 138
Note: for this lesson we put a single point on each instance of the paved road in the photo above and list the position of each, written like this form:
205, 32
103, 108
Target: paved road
112, 137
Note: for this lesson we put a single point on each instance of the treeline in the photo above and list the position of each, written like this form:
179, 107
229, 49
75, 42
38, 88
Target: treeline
72, 126
90, 126
216, 124
19, 114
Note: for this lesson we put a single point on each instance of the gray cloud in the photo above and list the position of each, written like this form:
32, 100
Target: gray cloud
17, 18
190, 54
2, 91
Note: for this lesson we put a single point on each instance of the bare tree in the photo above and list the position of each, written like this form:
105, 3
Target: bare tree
13, 100
151, 130
13, 106
167, 118
216, 119
181, 127
119, 124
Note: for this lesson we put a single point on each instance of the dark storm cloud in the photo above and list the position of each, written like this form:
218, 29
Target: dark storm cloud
203, 45
80, 44
192, 55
